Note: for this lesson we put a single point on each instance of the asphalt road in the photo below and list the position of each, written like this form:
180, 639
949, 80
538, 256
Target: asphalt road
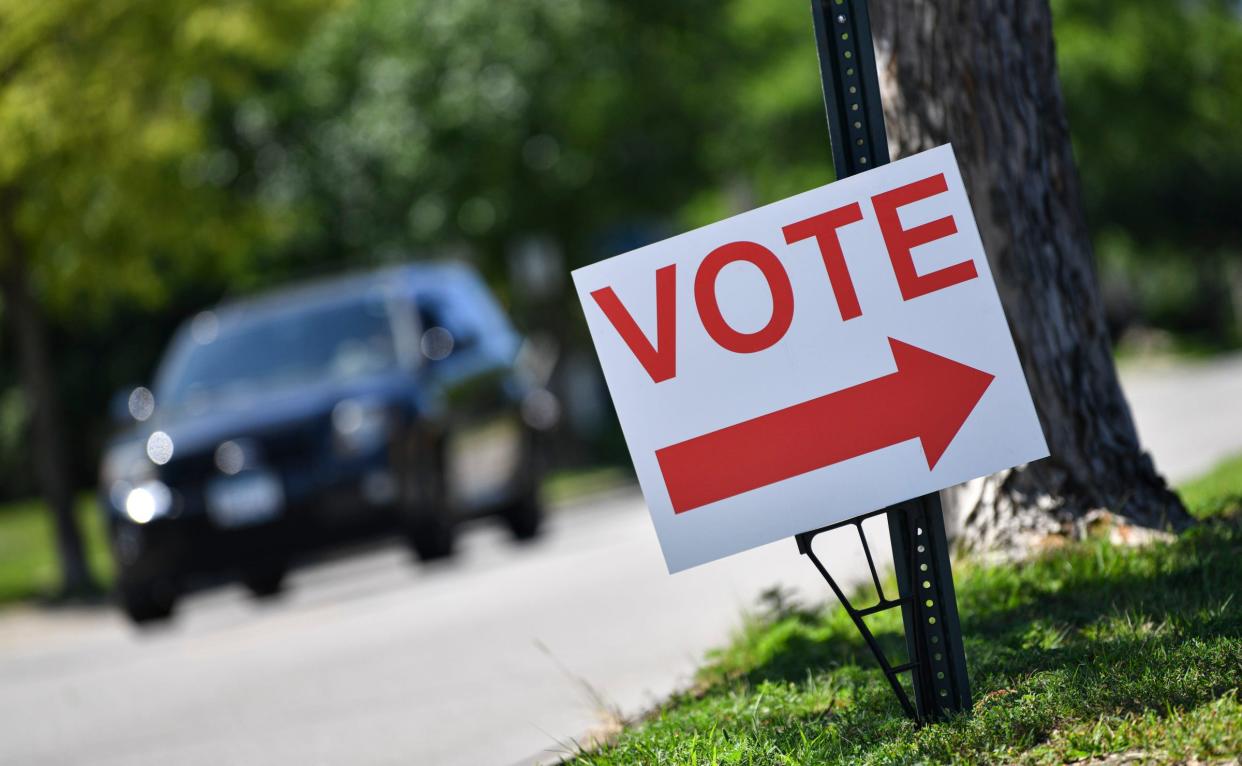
1189, 416
500, 657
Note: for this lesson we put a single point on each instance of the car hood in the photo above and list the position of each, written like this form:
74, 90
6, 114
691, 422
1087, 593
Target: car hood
240, 416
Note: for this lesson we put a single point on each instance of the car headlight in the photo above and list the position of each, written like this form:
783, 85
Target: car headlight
147, 501
360, 425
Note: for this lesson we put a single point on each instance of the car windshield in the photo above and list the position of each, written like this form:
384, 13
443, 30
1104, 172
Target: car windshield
278, 350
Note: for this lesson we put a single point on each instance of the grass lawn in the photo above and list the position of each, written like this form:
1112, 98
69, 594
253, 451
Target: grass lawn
27, 550
1088, 651
568, 485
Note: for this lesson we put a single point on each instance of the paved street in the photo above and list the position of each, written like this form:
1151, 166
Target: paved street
1189, 415
496, 658
373, 660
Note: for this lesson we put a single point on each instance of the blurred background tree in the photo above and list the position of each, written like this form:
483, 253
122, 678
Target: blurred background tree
1152, 94
114, 188
161, 155
413, 128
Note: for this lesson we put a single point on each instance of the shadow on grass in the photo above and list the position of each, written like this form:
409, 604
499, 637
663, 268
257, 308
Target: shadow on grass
785, 641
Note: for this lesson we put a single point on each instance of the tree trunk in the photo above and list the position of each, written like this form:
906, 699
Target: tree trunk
39, 387
982, 74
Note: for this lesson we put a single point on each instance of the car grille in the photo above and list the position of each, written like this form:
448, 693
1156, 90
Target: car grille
286, 448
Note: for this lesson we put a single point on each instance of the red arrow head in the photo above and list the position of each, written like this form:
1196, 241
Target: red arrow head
943, 394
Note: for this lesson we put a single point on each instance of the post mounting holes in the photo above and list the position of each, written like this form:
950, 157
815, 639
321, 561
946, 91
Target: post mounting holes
859, 143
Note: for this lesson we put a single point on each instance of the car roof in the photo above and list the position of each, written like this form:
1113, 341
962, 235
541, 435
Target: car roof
417, 281
343, 288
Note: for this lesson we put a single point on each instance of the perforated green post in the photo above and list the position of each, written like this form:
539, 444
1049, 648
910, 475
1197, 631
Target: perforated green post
937, 660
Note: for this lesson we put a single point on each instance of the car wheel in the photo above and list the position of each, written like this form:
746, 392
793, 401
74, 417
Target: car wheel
147, 602
264, 581
426, 518
524, 517
431, 541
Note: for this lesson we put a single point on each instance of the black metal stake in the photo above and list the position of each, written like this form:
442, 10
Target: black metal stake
937, 661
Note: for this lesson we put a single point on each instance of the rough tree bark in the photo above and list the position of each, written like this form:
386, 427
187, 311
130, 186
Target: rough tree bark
39, 386
982, 74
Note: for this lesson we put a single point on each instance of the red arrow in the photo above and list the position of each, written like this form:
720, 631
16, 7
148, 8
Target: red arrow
928, 398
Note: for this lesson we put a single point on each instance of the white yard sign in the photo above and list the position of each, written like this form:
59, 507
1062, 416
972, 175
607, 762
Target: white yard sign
810, 361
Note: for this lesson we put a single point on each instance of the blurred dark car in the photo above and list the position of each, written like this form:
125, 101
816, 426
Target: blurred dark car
281, 423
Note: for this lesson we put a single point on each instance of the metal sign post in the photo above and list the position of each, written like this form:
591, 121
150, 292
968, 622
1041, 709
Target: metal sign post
937, 661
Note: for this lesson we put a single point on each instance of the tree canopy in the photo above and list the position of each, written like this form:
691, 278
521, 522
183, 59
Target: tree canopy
115, 176
160, 154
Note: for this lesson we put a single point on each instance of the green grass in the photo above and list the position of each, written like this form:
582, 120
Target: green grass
1217, 492
1089, 650
575, 483
28, 566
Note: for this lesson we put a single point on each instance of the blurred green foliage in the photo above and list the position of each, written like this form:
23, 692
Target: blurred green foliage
407, 127
1154, 94
114, 172
161, 155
